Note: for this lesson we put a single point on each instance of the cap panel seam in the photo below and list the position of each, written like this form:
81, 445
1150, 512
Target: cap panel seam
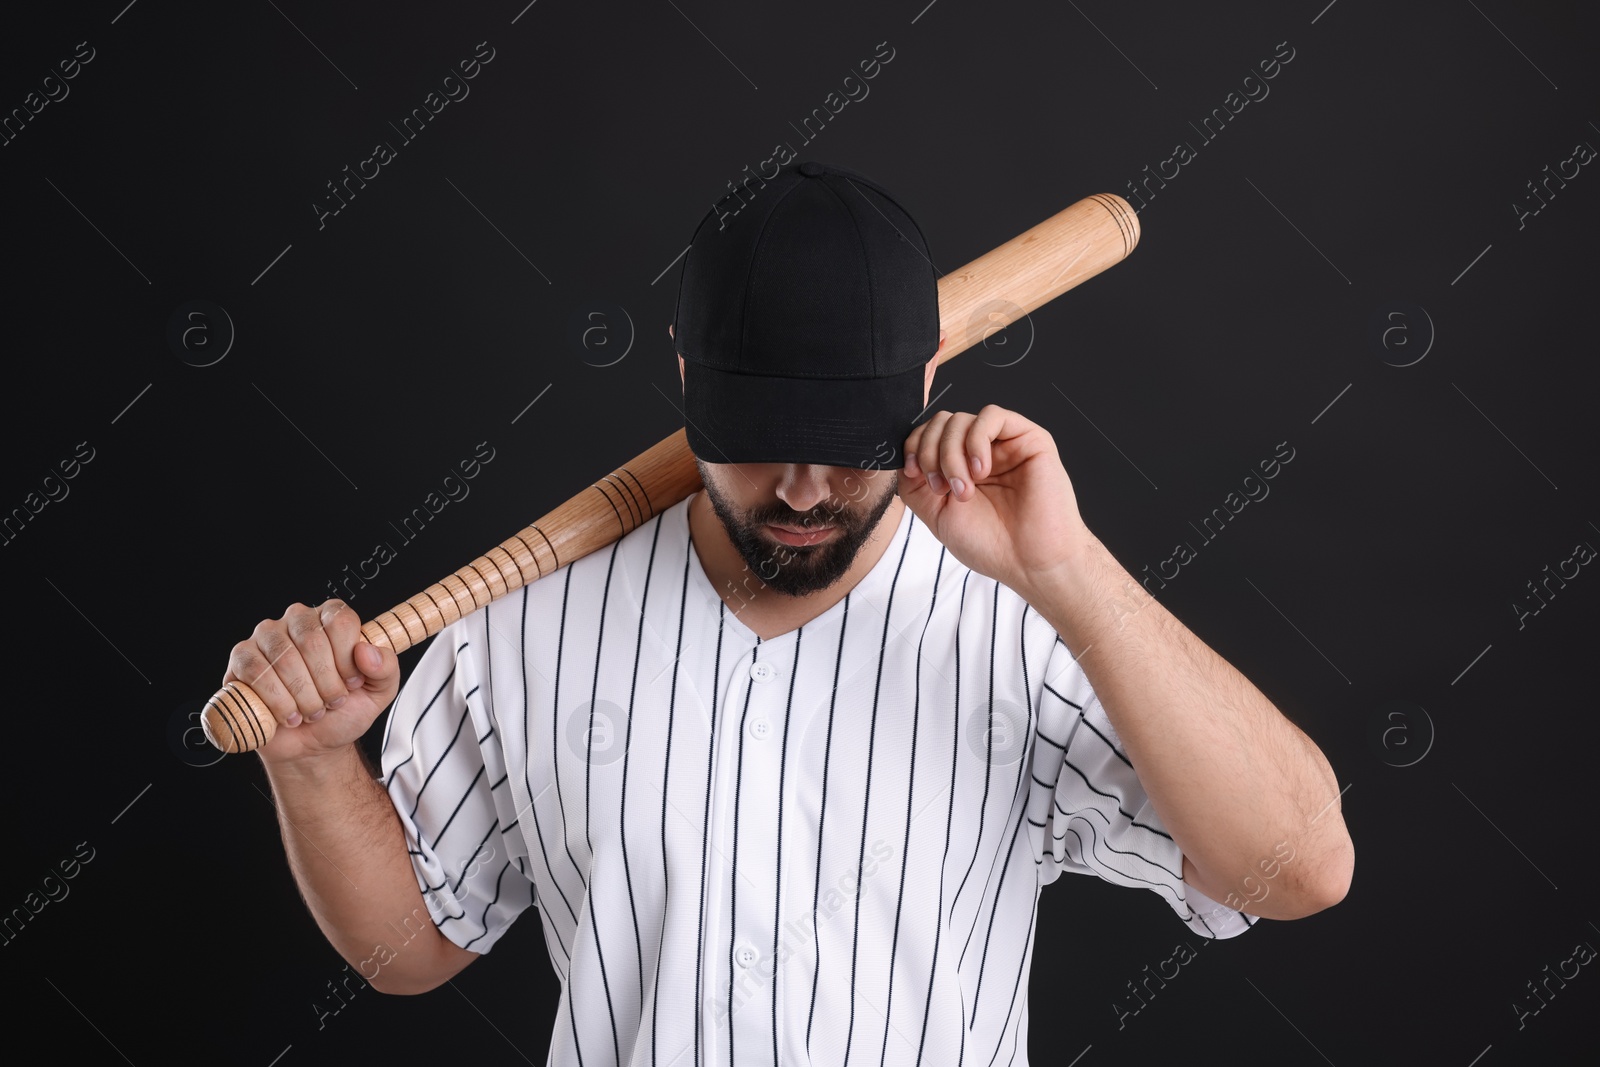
911, 223
755, 254
872, 300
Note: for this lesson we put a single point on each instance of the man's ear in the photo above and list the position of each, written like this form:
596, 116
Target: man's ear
680, 358
933, 363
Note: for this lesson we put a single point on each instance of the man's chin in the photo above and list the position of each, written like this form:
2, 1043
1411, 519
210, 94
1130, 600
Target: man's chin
794, 581
798, 570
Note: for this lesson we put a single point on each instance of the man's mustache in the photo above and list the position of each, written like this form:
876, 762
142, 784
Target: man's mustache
806, 522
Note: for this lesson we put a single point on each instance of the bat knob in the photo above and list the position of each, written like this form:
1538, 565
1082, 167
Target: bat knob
236, 720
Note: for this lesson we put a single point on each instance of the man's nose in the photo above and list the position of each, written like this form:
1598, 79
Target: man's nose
804, 487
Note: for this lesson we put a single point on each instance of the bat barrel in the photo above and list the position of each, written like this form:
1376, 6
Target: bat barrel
986, 295
1033, 268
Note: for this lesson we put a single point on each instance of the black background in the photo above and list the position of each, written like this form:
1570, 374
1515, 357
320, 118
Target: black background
374, 353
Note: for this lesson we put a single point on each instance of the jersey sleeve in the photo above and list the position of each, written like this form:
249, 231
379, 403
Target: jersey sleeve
1095, 815
445, 772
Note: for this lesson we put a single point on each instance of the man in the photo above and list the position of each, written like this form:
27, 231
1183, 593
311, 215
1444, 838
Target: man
785, 770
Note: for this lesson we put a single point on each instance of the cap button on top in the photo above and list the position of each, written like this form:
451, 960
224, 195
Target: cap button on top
811, 169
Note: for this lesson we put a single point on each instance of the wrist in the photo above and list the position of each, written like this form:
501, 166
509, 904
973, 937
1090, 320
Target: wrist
1088, 596
1072, 574
318, 768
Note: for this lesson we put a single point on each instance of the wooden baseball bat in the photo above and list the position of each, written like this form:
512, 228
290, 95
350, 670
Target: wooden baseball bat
982, 297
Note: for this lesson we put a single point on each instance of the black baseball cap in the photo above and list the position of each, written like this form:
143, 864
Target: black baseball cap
808, 308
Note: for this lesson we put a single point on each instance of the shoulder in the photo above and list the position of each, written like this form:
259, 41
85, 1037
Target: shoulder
607, 583
618, 570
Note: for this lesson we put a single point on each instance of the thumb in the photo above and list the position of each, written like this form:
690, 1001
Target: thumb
378, 665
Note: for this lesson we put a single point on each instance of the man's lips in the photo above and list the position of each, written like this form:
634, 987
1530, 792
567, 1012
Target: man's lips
799, 536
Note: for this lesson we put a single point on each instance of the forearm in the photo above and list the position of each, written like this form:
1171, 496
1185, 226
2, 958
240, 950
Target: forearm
1239, 786
348, 854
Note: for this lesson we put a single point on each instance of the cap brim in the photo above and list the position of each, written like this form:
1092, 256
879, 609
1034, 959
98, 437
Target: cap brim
836, 422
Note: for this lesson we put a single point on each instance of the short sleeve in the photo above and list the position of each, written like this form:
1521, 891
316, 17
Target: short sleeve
1090, 810
444, 770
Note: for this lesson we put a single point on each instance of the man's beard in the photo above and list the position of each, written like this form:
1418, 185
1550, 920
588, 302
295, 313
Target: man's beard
797, 570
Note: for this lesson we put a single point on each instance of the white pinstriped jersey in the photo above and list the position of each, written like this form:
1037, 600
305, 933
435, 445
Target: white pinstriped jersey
821, 846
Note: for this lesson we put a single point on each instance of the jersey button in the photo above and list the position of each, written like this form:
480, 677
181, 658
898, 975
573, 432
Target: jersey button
746, 955
761, 671
759, 728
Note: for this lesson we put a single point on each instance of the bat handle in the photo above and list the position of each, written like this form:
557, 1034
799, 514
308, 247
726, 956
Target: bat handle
236, 719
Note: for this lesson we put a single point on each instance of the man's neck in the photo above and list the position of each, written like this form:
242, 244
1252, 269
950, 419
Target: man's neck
760, 607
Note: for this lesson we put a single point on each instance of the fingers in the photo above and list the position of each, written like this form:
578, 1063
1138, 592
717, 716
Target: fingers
269, 663
302, 664
922, 453
305, 626
953, 450
343, 629
247, 664
358, 664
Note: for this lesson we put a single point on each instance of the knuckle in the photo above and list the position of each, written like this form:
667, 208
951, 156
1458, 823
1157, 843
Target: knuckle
329, 685
305, 696
273, 643
342, 629
243, 661
303, 624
